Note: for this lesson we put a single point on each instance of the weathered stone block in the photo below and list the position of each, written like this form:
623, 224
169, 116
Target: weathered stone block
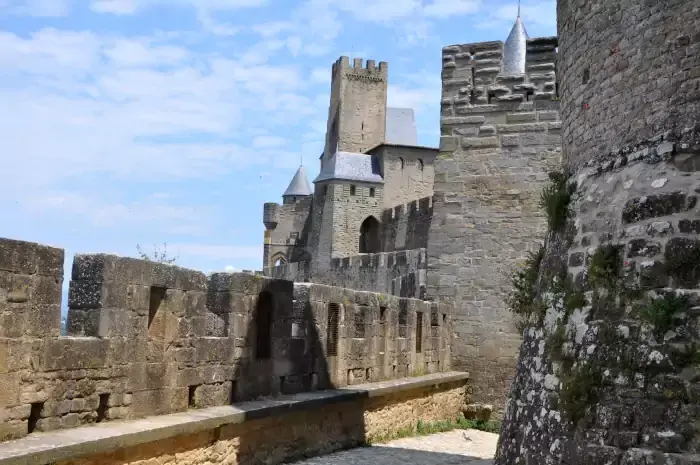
448, 144
689, 226
9, 389
683, 260
213, 349
654, 206
525, 127
152, 402
75, 353
521, 117
643, 248
479, 142
85, 294
30, 258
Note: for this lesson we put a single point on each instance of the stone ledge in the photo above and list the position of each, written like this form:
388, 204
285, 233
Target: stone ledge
43, 448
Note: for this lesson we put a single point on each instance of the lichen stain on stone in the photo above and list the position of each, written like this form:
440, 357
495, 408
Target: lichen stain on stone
18, 296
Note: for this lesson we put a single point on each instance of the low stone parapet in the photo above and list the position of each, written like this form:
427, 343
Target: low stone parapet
270, 430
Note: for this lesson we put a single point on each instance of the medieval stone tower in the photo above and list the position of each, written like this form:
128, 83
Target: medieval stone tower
372, 171
446, 224
357, 111
500, 136
350, 186
608, 370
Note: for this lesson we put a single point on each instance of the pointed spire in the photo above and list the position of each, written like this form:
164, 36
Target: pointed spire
299, 186
515, 48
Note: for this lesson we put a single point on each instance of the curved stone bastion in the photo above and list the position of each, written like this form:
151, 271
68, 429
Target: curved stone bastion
146, 339
609, 369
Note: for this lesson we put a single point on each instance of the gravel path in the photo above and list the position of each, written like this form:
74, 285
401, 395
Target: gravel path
464, 447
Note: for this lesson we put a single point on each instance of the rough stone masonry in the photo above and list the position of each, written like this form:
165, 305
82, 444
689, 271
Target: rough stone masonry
150, 339
500, 137
609, 369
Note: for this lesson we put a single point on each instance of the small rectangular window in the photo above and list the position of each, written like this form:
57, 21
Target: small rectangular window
360, 318
191, 397
419, 332
156, 299
332, 330
352, 190
102, 408
371, 191
232, 394
34, 416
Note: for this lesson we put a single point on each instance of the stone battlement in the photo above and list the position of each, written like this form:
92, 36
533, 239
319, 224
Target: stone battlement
400, 273
406, 227
422, 206
146, 338
475, 71
370, 69
500, 136
273, 212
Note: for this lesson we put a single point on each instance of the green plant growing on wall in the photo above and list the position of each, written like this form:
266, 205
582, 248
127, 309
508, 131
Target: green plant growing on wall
571, 297
521, 300
555, 200
423, 428
555, 342
604, 266
686, 356
580, 390
682, 265
660, 312
158, 256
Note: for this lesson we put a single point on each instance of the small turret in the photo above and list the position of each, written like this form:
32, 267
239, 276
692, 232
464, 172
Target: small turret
298, 188
515, 48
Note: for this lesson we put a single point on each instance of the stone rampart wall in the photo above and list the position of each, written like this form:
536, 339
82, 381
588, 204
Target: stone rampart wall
400, 273
148, 339
406, 227
290, 428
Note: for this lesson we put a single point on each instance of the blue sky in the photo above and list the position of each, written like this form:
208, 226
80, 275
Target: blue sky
131, 122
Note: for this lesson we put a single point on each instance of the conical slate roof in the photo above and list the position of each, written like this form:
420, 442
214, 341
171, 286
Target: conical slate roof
299, 185
515, 49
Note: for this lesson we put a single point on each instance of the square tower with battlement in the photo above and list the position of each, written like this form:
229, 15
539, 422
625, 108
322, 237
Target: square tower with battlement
500, 136
357, 111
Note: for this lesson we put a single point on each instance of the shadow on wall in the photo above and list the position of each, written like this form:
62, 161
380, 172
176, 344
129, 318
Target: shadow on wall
279, 350
149, 339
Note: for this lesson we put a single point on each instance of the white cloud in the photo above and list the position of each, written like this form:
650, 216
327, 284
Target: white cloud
122, 7
39, 8
152, 214
143, 52
389, 11
372, 10
321, 75
136, 107
418, 91
273, 28
268, 141
446, 8
117, 7
217, 252
231, 269
541, 13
